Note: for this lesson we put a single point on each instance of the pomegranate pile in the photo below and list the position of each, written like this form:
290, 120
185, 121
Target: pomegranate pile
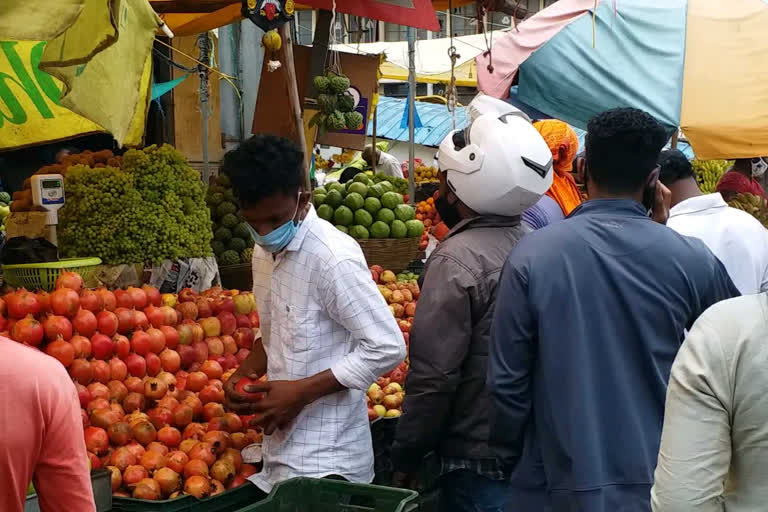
385, 396
149, 370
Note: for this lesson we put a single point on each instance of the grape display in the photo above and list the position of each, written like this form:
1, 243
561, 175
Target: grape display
150, 210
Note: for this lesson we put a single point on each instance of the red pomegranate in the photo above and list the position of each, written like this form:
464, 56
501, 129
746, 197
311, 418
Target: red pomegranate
154, 365
102, 346
106, 322
108, 299
120, 435
156, 340
176, 460
22, 303
117, 369
123, 299
152, 294
169, 436
195, 467
28, 330
155, 388
133, 474
140, 320
96, 440
81, 371
70, 280
58, 327
137, 365
182, 415
122, 346
168, 480
170, 360
138, 296
91, 301
134, 402
61, 350
82, 346
124, 320
144, 432
141, 343
117, 391
65, 302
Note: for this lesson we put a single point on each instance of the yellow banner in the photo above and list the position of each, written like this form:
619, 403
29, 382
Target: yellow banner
30, 112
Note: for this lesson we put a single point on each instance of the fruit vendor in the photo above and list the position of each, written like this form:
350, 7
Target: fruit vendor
737, 238
485, 184
589, 316
42, 434
327, 331
743, 178
385, 163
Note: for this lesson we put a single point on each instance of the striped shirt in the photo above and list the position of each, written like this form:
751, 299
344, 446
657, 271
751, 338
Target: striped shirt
319, 309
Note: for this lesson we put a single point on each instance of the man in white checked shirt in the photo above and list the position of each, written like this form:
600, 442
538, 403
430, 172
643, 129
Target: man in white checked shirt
327, 332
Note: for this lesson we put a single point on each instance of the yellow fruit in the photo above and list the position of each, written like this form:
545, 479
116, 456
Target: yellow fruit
272, 40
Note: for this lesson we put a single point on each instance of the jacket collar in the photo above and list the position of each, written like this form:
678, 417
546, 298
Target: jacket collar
484, 221
698, 204
626, 207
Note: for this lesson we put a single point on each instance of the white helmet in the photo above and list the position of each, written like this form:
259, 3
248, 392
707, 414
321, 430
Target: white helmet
498, 165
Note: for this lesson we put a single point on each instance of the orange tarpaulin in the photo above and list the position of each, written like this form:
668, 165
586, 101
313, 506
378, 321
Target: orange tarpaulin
188, 23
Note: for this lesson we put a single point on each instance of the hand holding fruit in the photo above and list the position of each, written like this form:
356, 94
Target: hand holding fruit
237, 398
282, 401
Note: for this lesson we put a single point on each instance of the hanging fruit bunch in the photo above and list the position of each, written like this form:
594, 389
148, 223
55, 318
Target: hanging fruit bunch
336, 104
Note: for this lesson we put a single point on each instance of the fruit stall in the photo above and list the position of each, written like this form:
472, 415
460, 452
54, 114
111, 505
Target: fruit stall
149, 370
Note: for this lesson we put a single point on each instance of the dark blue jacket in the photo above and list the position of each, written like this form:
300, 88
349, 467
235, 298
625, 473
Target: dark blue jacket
589, 316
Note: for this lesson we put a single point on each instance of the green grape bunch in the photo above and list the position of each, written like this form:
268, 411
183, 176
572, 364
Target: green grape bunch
151, 210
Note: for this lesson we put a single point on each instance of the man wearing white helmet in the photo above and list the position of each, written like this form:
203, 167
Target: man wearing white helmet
490, 173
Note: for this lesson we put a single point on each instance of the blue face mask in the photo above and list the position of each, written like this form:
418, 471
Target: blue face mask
279, 238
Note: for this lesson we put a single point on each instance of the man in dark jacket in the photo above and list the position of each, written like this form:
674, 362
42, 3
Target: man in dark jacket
590, 314
490, 174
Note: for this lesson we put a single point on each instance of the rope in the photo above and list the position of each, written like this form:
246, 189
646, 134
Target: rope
451, 93
222, 76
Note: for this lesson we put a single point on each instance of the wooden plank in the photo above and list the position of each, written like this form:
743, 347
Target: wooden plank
186, 109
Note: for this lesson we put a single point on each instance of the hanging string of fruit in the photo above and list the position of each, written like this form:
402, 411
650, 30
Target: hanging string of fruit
336, 103
269, 15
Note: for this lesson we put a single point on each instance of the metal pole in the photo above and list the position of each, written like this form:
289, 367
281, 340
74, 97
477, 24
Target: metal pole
373, 143
411, 113
205, 52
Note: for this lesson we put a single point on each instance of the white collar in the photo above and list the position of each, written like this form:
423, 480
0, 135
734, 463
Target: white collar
306, 224
698, 204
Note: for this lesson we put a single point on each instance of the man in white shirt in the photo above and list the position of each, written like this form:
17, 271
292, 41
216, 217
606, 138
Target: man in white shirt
327, 332
385, 163
738, 240
714, 446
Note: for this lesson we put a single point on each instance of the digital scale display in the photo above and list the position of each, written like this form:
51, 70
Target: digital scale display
52, 184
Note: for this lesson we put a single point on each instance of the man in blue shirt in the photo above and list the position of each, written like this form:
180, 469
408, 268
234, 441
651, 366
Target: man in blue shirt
589, 317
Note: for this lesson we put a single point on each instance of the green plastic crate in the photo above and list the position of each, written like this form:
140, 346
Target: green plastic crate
323, 495
42, 276
225, 502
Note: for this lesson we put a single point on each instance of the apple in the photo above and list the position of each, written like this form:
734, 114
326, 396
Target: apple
393, 401
211, 326
243, 304
393, 413
376, 395
392, 388
240, 388
168, 299
372, 414
380, 410
388, 277
383, 382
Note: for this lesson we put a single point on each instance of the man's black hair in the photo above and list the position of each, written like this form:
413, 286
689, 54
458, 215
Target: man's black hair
623, 146
264, 166
674, 166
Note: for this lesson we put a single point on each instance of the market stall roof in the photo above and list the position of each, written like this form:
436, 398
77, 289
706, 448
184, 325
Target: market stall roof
432, 62
191, 17
436, 120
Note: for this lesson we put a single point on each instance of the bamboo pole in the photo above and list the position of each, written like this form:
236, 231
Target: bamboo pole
289, 68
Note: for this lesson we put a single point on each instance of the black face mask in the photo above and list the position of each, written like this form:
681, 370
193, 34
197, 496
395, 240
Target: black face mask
449, 213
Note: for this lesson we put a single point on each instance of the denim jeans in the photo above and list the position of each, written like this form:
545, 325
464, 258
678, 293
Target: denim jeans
466, 491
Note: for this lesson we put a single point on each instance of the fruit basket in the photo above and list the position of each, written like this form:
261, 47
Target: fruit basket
236, 277
42, 276
394, 254
324, 495
224, 502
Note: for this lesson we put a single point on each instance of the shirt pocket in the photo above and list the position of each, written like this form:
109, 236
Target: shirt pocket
292, 326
